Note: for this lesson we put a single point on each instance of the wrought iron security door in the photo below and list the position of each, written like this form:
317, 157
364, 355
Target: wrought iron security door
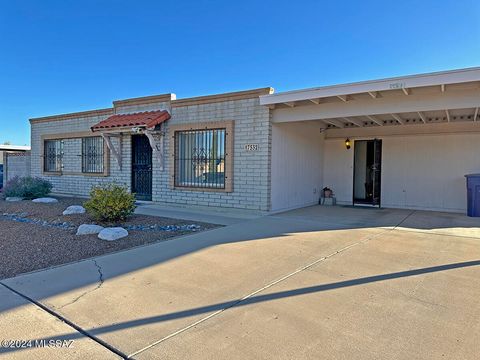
377, 171
367, 172
141, 167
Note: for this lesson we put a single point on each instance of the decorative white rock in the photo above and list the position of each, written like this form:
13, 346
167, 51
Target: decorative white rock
112, 234
45, 200
13, 199
88, 229
74, 209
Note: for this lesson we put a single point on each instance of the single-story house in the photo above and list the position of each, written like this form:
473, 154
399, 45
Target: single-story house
403, 142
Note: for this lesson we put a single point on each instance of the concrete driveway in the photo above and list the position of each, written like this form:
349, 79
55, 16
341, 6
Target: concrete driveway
329, 283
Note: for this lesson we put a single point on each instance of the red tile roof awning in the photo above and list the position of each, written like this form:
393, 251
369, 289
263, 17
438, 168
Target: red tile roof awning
147, 119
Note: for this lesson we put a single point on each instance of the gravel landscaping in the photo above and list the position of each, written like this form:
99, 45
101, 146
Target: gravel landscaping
35, 235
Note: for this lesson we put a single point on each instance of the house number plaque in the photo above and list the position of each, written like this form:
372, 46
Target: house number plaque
251, 147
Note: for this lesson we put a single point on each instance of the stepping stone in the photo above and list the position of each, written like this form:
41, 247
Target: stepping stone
45, 200
112, 234
74, 209
13, 199
88, 229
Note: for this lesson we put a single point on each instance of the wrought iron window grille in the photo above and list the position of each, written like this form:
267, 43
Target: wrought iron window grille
200, 158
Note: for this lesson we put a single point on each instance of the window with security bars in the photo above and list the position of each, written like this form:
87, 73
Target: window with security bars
200, 158
92, 155
53, 156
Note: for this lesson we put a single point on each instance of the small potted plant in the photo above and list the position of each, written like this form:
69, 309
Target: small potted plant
327, 192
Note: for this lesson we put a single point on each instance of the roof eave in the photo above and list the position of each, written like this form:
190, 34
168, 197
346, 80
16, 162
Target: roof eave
404, 82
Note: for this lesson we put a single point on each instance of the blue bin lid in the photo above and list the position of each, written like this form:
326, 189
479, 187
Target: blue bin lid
472, 176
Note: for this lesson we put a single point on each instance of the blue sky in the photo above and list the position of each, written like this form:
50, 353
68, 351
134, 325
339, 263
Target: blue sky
66, 56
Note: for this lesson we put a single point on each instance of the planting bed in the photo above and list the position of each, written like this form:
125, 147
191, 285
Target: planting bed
35, 236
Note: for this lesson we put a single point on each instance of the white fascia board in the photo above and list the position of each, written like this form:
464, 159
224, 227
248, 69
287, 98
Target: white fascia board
461, 99
14, 148
404, 82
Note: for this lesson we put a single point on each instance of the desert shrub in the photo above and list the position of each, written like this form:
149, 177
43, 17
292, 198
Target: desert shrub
110, 203
27, 187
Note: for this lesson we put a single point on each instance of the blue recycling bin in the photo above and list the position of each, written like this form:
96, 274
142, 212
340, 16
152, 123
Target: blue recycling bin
473, 195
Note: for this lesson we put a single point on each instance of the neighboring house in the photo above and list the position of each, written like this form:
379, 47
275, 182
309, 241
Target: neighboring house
412, 139
14, 161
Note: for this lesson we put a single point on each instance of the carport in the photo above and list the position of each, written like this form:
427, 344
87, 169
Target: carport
412, 138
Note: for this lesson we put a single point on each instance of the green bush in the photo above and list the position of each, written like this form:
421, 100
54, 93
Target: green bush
110, 203
27, 187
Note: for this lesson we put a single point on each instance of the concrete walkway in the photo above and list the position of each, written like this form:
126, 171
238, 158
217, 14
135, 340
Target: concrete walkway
203, 214
332, 283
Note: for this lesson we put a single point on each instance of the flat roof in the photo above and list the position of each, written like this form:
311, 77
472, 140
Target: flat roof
14, 148
170, 97
441, 78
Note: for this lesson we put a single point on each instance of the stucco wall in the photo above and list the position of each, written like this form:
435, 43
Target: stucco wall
428, 172
418, 171
338, 170
297, 159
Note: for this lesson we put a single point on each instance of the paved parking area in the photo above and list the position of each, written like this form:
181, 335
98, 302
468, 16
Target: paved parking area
330, 283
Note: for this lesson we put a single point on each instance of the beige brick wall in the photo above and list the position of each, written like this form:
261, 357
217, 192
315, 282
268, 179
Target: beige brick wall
251, 170
15, 164
76, 184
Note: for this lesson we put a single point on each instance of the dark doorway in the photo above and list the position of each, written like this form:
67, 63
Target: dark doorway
367, 166
141, 167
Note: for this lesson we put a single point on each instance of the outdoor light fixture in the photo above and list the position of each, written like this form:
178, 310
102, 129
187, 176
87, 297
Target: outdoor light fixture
347, 143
